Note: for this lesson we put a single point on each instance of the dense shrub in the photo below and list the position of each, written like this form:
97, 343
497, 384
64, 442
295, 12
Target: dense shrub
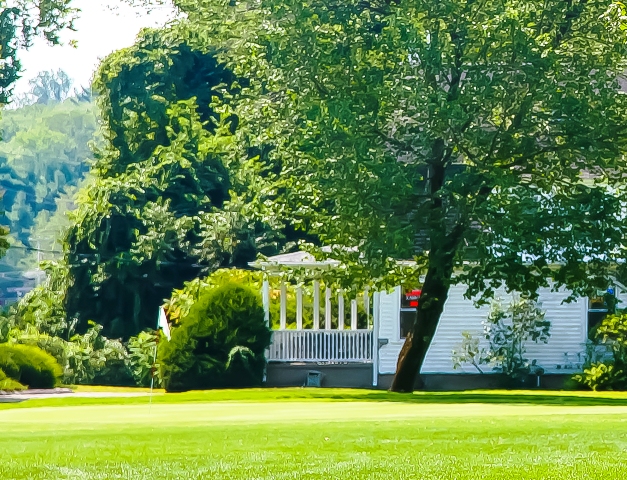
30, 365
220, 342
88, 359
8, 384
141, 352
606, 367
182, 300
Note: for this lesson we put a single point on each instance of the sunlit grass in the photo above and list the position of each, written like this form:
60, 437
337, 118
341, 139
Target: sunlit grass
306, 433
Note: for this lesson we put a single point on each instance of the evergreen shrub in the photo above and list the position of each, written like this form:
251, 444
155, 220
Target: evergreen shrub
220, 342
30, 365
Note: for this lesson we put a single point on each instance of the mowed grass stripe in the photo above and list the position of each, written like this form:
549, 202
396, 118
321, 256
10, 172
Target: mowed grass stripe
314, 439
88, 416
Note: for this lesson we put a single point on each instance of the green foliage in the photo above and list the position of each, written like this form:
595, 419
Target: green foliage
19, 23
141, 352
610, 371
507, 330
469, 351
98, 360
138, 229
42, 307
43, 158
30, 365
220, 342
7, 323
603, 376
485, 139
182, 300
8, 384
88, 359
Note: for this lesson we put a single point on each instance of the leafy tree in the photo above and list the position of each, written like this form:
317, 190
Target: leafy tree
153, 214
21, 21
43, 307
606, 362
485, 139
44, 155
50, 86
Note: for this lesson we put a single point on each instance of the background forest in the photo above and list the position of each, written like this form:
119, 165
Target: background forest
44, 156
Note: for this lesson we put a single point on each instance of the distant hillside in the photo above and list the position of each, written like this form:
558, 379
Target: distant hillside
44, 155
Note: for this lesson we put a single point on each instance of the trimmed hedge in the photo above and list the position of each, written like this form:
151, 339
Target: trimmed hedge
220, 343
30, 366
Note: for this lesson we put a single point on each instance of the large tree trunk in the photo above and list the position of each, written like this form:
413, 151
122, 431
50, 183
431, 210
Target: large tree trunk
434, 294
442, 252
444, 243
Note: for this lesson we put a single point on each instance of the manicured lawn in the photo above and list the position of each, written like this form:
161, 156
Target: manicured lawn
318, 434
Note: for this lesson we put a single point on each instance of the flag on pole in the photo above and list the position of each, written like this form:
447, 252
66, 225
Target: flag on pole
163, 323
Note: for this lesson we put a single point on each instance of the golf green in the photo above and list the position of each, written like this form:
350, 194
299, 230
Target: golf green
290, 434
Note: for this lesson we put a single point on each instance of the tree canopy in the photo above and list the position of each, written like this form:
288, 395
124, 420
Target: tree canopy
484, 139
22, 20
155, 213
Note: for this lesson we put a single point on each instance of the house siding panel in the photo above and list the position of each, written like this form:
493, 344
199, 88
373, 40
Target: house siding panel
568, 332
562, 351
389, 329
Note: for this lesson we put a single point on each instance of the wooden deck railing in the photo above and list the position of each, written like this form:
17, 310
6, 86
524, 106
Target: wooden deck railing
334, 346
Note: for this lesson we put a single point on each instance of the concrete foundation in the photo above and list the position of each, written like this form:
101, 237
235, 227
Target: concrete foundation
359, 375
348, 375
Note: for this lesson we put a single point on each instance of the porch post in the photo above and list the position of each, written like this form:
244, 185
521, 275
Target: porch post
367, 305
327, 309
299, 308
375, 338
316, 305
340, 310
283, 305
354, 314
265, 298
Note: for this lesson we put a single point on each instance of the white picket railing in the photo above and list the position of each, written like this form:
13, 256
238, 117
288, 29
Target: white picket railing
321, 346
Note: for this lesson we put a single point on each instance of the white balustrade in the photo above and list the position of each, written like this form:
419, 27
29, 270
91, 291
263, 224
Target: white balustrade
335, 346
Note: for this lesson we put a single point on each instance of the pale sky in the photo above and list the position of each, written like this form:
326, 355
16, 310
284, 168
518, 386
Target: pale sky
103, 27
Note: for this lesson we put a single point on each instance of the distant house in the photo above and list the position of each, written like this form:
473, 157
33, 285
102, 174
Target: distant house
340, 354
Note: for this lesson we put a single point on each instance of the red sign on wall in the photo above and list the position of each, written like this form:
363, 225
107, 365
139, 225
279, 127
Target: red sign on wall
412, 298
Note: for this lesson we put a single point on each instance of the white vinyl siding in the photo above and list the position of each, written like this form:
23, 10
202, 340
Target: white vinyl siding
568, 332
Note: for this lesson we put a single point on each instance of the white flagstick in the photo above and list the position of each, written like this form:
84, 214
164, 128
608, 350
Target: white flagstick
152, 371
162, 323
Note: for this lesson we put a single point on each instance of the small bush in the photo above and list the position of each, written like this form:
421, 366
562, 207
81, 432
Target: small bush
8, 384
610, 371
601, 376
141, 351
30, 366
220, 342
88, 359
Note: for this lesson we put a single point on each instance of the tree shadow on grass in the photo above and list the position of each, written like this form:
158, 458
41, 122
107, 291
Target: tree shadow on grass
574, 399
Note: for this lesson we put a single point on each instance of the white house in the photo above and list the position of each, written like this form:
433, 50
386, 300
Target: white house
352, 356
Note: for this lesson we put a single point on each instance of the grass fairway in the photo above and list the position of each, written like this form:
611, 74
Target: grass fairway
317, 434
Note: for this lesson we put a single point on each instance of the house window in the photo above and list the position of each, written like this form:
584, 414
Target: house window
599, 307
408, 317
409, 307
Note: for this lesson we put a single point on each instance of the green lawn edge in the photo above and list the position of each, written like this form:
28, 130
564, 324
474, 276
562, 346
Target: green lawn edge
529, 397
